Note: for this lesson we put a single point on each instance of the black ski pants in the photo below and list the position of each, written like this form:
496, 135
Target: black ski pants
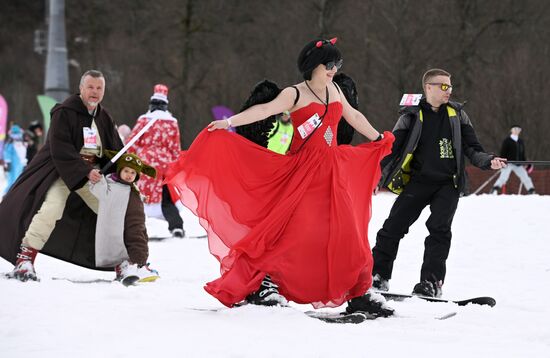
170, 211
443, 200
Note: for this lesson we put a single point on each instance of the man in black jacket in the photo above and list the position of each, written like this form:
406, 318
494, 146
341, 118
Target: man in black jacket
513, 148
426, 167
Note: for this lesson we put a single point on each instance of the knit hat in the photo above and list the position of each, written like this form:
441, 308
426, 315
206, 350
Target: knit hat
160, 93
131, 160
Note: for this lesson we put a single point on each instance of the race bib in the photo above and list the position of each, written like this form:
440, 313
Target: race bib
410, 99
90, 138
309, 126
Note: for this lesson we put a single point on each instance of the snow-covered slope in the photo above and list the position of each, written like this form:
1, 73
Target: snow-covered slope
501, 248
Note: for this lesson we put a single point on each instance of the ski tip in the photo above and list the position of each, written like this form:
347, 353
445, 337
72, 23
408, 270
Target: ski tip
149, 279
130, 280
489, 301
483, 301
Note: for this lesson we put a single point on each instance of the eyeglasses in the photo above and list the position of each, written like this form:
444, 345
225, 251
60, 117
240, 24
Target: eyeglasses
338, 64
442, 86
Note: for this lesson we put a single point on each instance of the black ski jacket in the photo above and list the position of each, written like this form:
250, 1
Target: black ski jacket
396, 171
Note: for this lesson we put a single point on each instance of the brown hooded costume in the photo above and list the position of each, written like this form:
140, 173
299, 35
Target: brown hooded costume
73, 237
121, 233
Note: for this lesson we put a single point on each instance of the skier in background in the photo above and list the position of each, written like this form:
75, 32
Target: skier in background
34, 136
513, 148
15, 155
159, 147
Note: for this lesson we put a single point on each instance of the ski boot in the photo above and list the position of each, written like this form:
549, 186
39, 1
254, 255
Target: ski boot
24, 266
267, 295
147, 274
380, 283
178, 233
372, 303
127, 273
428, 289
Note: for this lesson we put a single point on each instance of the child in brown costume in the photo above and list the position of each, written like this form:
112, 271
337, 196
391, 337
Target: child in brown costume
121, 235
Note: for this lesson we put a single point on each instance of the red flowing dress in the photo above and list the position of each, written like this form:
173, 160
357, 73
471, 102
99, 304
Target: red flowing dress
302, 218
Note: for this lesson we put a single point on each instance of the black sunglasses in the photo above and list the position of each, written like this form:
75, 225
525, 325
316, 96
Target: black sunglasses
338, 64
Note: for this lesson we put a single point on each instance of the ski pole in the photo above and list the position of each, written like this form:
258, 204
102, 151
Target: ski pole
486, 182
527, 162
128, 145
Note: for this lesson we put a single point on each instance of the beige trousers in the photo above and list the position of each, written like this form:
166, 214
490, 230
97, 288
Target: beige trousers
43, 222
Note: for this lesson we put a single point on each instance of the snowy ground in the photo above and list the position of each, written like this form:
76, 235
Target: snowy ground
501, 247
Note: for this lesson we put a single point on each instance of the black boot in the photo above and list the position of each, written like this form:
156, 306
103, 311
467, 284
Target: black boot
178, 233
267, 295
371, 303
428, 289
380, 283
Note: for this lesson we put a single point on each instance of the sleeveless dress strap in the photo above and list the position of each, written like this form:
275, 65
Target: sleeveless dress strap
297, 95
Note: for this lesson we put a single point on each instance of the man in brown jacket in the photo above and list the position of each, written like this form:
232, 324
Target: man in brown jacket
49, 209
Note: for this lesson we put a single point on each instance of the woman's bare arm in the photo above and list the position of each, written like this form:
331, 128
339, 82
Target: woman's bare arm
284, 101
357, 120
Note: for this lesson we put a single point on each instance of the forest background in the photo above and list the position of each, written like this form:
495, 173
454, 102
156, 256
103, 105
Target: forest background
212, 52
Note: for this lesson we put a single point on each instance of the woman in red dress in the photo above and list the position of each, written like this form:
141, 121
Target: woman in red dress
289, 226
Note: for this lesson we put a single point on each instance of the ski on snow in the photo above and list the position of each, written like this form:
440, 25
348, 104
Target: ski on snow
328, 317
484, 301
341, 317
127, 281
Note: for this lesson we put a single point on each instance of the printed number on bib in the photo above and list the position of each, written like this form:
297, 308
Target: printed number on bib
410, 99
90, 138
309, 126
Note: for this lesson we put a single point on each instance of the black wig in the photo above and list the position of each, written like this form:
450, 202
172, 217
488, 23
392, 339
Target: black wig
317, 52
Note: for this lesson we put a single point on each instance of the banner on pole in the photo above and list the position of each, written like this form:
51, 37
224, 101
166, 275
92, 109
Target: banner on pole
3, 124
46, 104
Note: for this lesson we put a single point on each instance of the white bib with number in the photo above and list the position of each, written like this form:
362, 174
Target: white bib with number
410, 99
90, 138
309, 126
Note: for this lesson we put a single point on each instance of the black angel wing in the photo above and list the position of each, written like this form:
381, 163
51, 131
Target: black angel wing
257, 132
346, 84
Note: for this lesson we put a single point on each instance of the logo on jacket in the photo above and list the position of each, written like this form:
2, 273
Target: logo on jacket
445, 149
